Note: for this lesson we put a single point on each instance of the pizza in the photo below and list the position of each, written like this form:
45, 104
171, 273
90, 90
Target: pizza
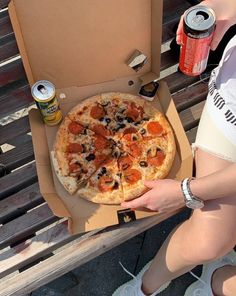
108, 144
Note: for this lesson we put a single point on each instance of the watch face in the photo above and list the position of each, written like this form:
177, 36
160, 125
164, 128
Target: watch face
194, 204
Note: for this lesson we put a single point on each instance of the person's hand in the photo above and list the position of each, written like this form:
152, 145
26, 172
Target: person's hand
163, 196
225, 11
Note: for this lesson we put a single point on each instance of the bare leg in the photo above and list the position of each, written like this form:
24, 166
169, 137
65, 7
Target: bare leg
206, 236
224, 281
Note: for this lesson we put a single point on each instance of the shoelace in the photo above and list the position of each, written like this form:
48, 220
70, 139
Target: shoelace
127, 289
199, 292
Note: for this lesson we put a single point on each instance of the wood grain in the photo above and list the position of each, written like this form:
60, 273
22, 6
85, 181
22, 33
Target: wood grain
73, 256
26, 225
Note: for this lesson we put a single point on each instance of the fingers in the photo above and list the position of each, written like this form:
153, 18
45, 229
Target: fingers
139, 202
179, 32
151, 184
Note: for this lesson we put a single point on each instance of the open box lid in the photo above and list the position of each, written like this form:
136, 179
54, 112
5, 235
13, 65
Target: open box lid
84, 42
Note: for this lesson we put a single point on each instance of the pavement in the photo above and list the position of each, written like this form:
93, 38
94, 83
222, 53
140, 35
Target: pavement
102, 275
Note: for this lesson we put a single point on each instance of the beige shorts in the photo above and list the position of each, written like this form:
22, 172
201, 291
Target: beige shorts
210, 139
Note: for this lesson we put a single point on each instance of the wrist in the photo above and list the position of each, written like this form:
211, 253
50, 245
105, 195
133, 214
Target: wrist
191, 201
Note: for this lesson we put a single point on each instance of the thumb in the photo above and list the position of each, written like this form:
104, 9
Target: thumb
150, 184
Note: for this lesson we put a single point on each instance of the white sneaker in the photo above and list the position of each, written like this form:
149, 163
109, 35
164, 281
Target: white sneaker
133, 287
202, 287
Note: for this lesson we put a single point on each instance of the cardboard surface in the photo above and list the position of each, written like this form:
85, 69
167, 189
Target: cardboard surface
77, 43
86, 215
82, 47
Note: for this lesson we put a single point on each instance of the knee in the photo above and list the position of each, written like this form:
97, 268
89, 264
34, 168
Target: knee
198, 250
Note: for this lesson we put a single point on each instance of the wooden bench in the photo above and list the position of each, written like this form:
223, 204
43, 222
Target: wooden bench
29, 232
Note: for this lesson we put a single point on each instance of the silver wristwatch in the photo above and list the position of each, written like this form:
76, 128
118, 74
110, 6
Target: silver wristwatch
191, 201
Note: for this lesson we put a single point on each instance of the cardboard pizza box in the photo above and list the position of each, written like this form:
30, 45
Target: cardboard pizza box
82, 47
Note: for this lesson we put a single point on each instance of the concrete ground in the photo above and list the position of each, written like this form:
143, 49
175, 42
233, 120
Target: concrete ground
101, 276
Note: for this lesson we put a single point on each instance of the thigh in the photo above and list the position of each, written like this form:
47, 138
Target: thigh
216, 222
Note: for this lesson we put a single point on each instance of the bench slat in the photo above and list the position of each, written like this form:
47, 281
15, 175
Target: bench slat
18, 180
4, 3
74, 255
18, 156
20, 202
8, 48
40, 245
14, 129
17, 100
26, 225
190, 117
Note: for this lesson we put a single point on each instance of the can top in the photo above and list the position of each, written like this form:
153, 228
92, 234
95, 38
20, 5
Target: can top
200, 18
43, 90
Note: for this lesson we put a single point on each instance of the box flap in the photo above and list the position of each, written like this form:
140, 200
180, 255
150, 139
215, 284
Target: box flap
83, 42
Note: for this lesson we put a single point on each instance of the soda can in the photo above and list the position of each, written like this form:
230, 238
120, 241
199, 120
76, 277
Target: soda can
198, 29
44, 94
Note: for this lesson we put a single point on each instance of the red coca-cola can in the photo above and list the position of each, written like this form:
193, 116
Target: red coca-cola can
198, 29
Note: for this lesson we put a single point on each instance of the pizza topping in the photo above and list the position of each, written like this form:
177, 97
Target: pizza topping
100, 159
100, 142
97, 112
120, 126
103, 171
119, 118
143, 164
115, 186
132, 113
104, 103
135, 150
154, 128
105, 183
74, 167
90, 157
158, 159
129, 119
101, 130
130, 130
116, 153
143, 131
132, 176
125, 162
74, 148
75, 128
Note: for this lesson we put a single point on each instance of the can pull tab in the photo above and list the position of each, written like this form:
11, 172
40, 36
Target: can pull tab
41, 88
200, 17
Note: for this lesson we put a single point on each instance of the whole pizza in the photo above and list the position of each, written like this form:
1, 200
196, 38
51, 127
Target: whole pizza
109, 144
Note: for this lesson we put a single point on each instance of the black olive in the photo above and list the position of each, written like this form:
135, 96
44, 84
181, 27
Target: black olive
145, 119
105, 104
116, 185
143, 131
103, 170
121, 125
134, 138
119, 118
137, 123
108, 120
143, 164
129, 119
85, 131
90, 157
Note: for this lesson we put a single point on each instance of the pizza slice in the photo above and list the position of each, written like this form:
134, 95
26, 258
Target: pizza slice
145, 160
104, 186
74, 169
